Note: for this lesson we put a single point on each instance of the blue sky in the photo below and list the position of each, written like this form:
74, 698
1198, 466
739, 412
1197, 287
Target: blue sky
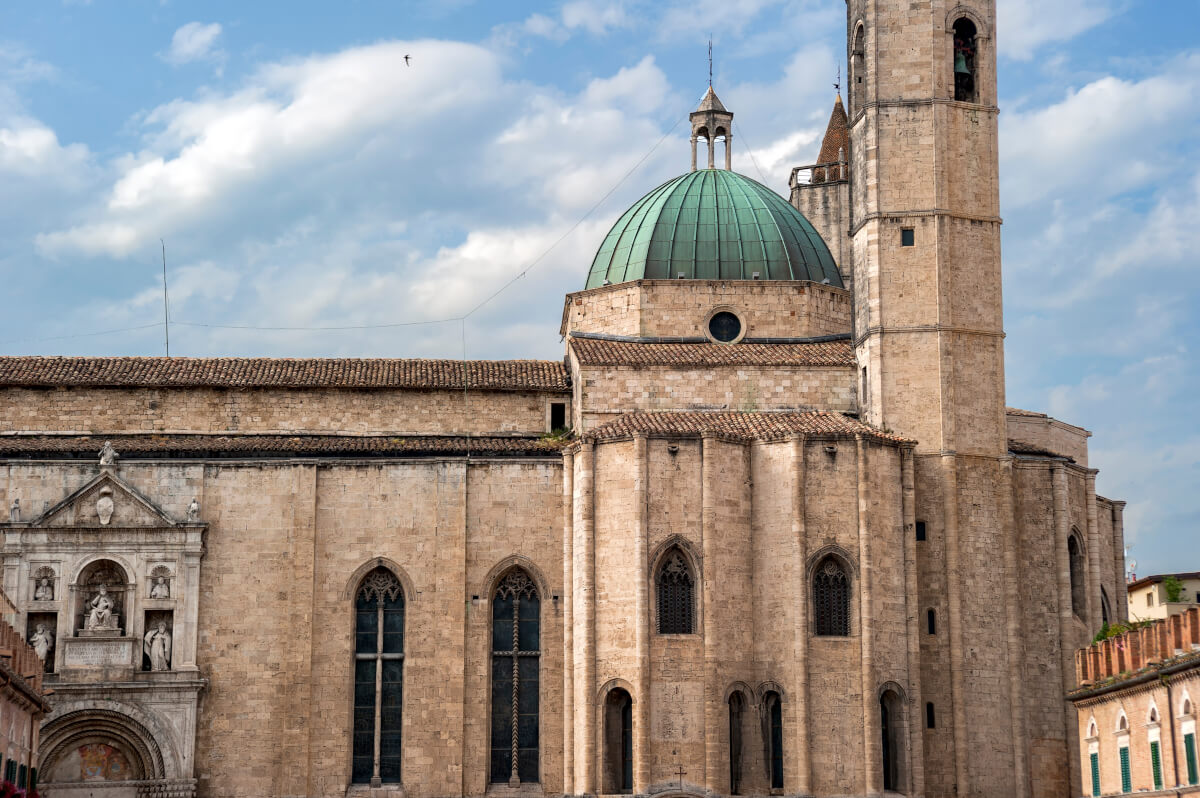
303, 176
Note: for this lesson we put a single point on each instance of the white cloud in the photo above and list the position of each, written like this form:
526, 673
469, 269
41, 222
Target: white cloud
1026, 25
595, 17
1107, 137
193, 42
30, 149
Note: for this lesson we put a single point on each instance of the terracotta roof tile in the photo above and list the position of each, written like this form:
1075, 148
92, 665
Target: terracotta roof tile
592, 352
740, 426
261, 372
836, 141
133, 447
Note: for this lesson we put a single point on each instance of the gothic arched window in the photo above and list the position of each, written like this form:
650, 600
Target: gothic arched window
516, 629
737, 711
378, 678
1078, 596
774, 728
831, 599
965, 52
675, 588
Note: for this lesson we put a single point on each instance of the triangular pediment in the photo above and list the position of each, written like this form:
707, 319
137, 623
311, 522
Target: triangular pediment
107, 501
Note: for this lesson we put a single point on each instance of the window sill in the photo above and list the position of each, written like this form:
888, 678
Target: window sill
525, 788
392, 790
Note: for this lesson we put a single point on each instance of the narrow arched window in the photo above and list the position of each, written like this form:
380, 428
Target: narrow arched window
737, 713
773, 705
675, 589
858, 72
618, 742
890, 707
1105, 612
378, 678
516, 619
831, 599
1078, 588
965, 57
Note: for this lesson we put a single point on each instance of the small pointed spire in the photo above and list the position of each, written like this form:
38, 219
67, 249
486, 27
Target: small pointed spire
710, 102
835, 145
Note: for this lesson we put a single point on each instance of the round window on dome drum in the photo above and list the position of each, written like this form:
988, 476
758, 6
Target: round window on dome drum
724, 326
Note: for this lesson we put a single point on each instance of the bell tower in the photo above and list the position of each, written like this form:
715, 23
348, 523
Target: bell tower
928, 334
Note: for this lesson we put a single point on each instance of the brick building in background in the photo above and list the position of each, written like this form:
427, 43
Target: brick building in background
1137, 711
768, 528
22, 706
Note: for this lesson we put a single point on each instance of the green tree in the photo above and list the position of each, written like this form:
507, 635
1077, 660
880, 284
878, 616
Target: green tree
1173, 587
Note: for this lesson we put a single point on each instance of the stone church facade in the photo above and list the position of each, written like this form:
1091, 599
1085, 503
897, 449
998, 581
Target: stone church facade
767, 529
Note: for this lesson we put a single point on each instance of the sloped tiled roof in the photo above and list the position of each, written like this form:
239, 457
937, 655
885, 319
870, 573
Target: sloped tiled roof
740, 426
135, 447
1030, 449
1016, 411
261, 372
593, 352
710, 102
837, 135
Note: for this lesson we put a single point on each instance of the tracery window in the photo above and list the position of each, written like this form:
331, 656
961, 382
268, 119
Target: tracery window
831, 599
1078, 597
378, 678
675, 589
516, 621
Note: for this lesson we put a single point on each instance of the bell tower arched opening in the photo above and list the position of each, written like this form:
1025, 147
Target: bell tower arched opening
965, 52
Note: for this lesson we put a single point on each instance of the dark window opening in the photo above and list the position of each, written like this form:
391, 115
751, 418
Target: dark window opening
929, 719
675, 588
618, 742
1078, 596
774, 707
378, 678
724, 326
908, 237
558, 416
858, 70
920, 530
737, 707
863, 398
831, 599
1105, 615
931, 621
516, 632
965, 54
892, 733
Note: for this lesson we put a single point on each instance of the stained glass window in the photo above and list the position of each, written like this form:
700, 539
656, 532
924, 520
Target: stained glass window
675, 587
516, 619
378, 678
831, 599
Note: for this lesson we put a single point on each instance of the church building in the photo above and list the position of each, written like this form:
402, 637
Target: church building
768, 528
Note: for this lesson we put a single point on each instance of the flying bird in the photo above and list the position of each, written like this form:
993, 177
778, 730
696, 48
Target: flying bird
406, 59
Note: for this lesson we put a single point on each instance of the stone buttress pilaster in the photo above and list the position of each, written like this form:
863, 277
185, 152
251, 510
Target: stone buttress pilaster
873, 778
710, 476
641, 542
916, 738
1016, 643
954, 606
584, 577
568, 742
1118, 526
802, 751
1062, 530
1093, 551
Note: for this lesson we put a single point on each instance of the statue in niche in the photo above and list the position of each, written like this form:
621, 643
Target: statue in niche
105, 506
14, 512
100, 615
160, 589
108, 455
193, 510
157, 646
42, 641
44, 590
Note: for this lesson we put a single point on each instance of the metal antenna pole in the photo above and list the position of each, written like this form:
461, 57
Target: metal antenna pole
166, 314
710, 60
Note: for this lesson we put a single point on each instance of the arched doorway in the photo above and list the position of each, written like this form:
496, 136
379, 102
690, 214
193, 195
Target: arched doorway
87, 748
891, 724
618, 742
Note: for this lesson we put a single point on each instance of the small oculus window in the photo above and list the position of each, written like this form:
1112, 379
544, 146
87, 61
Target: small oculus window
724, 327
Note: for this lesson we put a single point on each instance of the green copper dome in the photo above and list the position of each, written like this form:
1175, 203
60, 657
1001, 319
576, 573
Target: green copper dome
712, 224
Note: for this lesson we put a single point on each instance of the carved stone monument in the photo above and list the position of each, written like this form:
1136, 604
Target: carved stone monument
101, 620
105, 506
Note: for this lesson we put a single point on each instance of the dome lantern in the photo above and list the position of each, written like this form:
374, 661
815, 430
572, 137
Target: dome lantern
711, 121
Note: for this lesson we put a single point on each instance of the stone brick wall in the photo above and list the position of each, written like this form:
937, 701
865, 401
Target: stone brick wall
654, 308
827, 207
1050, 434
210, 410
606, 391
